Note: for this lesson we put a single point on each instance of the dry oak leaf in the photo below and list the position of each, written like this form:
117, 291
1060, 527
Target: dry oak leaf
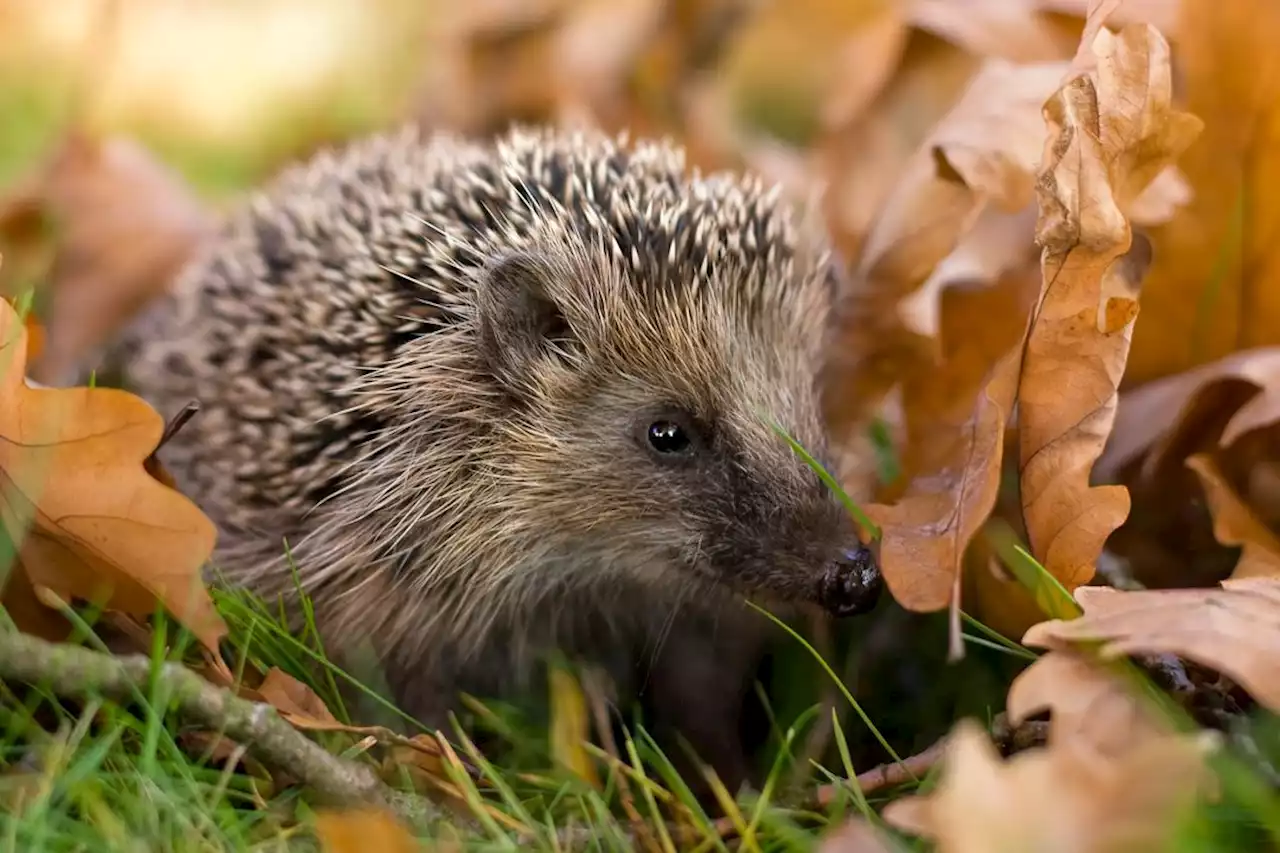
1091, 706
1214, 286
295, 701
91, 522
981, 155
127, 223
1234, 523
1111, 131
1218, 420
955, 417
1058, 798
300, 706
1208, 406
1235, 629
906, 68
957, 386
362, 830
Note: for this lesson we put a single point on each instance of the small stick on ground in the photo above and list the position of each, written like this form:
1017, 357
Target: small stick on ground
79, 673
893, 773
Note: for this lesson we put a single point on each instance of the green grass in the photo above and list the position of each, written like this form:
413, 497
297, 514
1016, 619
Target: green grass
125, 775
116, 775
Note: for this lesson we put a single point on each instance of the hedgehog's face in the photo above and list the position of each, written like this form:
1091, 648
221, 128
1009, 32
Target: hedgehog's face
748, 513
649, 446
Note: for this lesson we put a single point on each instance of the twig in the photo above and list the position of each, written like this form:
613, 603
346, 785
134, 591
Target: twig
75, 672
893, 773
909, 769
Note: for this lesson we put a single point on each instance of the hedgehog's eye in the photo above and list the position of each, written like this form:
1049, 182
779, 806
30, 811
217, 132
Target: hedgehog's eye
670, 434
668, 437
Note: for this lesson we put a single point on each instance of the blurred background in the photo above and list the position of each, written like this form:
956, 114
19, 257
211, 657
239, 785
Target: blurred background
224, 90
130, 124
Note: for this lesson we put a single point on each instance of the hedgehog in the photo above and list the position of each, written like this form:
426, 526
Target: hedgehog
483, 401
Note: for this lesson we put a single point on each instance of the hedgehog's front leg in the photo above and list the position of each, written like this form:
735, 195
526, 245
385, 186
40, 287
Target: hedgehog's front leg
695, 691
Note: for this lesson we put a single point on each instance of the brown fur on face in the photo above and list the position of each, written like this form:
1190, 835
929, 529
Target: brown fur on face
739, 508
431, 366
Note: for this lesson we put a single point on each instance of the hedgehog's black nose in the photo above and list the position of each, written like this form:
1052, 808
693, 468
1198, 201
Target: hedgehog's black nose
850, 584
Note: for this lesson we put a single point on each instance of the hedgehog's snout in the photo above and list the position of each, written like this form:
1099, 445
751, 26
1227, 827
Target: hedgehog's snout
850, 585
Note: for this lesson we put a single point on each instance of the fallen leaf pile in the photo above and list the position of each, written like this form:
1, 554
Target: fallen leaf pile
1113, 135
1059, 302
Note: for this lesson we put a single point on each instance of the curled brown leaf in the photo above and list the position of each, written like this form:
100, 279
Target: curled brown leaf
955, 417
1207, 407
1112, 130
1235, 523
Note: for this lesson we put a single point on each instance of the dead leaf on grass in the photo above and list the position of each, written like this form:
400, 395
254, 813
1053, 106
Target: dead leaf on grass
1056, 798
295, 701
1235, 629
420, 758
1111, 132
91, 522
357, 831
303, 708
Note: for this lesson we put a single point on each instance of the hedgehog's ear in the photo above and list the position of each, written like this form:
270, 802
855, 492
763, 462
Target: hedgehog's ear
519, 322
